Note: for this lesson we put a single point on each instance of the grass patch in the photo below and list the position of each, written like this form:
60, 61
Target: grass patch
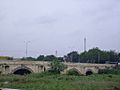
48, 81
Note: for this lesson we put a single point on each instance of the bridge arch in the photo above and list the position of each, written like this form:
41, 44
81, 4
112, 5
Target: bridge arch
22, 71
89, 72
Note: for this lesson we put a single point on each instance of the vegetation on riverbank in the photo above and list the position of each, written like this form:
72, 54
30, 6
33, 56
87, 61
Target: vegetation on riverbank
48, 81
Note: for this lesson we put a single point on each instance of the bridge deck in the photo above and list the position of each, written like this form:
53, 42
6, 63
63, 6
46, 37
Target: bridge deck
46, 63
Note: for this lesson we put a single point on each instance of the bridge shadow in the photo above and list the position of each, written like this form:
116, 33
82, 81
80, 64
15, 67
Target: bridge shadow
22, 72
89, 72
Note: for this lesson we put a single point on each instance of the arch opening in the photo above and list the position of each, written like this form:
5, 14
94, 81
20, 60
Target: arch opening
89, 73
22, 71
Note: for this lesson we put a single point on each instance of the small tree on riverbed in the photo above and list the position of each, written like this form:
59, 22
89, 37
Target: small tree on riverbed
57, 66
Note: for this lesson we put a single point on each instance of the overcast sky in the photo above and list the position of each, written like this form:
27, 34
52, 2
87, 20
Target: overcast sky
60, 25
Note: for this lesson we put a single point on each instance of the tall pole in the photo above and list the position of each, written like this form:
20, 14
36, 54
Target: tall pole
56, 53
84, 44
26, 48
27, 42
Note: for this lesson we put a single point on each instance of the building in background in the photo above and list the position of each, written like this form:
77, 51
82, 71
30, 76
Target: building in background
6, 58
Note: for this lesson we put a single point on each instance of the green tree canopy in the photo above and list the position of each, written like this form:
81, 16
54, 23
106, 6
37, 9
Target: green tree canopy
96, 55
49, 58
57, 66
41, 58
72, 57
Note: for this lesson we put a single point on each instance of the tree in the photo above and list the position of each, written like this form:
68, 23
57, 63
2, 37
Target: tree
73, 57
96, 55
50, 58
28, 58
61, 59
113, 56
104, 57
83, 57
119, 57
41, 58
91, 56
57, 66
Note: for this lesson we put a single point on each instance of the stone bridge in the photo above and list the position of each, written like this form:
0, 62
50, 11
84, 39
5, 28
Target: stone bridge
27, 67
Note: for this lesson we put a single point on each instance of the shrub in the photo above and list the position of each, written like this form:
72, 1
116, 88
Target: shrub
73, 72
57, 66
109, 71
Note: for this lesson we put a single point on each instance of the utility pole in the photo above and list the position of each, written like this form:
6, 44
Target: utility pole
56, 53
84, 44
26, 51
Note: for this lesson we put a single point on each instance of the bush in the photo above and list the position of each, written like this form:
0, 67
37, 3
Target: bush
73, 72
109, 71
57, 66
